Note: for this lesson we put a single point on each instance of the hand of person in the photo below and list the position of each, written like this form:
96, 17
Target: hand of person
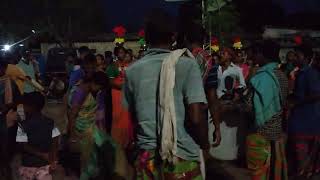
11, 118
28, 78
216, 137
206, 155
53, 166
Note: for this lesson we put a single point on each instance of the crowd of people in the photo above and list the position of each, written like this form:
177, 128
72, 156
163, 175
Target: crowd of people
148, 117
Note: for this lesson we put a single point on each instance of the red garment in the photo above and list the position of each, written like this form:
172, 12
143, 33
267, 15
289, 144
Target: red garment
122, 128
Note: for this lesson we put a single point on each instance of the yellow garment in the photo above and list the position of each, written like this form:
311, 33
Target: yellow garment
17, 75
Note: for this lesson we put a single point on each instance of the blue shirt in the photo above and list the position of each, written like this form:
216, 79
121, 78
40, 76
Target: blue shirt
140, 95
75, 76
305, 119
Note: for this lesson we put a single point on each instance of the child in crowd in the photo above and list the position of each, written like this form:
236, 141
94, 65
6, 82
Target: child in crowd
39, 150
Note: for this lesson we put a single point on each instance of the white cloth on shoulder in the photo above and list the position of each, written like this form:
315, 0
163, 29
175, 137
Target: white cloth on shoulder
167, 122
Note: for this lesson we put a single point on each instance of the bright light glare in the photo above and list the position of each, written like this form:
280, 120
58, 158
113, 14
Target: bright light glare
33, 31
6, 47
21, 45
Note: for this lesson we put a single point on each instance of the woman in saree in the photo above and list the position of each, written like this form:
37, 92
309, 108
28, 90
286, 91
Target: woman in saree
86, 132
267, 91
121, 130
304, 122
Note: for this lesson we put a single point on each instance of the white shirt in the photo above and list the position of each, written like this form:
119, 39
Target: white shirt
235, 72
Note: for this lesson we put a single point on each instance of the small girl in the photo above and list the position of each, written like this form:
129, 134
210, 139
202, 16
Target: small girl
39, 152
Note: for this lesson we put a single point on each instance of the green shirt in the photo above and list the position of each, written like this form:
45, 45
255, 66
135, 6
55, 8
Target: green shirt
112, 71
140, 95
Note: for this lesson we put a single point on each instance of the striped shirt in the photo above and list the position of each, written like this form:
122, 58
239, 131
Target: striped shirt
212, 79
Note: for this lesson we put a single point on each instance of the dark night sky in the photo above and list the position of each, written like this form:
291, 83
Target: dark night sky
131, 13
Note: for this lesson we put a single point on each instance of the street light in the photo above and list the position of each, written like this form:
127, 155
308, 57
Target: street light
6, 47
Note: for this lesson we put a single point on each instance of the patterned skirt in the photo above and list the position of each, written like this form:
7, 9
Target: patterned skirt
148, 167
266, 159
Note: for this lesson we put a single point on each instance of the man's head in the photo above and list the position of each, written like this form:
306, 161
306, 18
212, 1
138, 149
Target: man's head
89, 64
83, 51
121, 53
291, 57
33, 102
226, 56
304, 54
195, 36
27, 55
266, 52
159, 28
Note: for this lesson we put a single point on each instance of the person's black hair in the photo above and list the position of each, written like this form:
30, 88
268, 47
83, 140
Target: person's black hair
159, 28
89, 59
101, 56
270, 50
100, 79
196, 34
108, 54
117, 49
306, 49
287, 55
34, 99
84, 49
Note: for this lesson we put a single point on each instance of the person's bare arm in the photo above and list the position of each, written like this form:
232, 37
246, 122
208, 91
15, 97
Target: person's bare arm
72, 118
54, 153
199, 128
213, 104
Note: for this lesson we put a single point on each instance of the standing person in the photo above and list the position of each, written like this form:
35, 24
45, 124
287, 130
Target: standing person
208, 68
228, 69
229, 78
240, 62
84, 130
101, 63
9, 93
145, 87
69, 63
78, 73
304, 124
122, 130
26, 64
265, 98
39, 155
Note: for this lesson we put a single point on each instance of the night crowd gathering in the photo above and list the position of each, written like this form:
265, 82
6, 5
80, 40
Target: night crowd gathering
165, 112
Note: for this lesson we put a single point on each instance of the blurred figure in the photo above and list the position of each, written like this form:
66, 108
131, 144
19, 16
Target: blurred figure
108, 58
304, 124
239, 60
169, 140
69, 63
194, 40
83, 51
39, 155
97, 150
101, 63
27, 65
128, 58
9, 95
122, 130
265, 100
